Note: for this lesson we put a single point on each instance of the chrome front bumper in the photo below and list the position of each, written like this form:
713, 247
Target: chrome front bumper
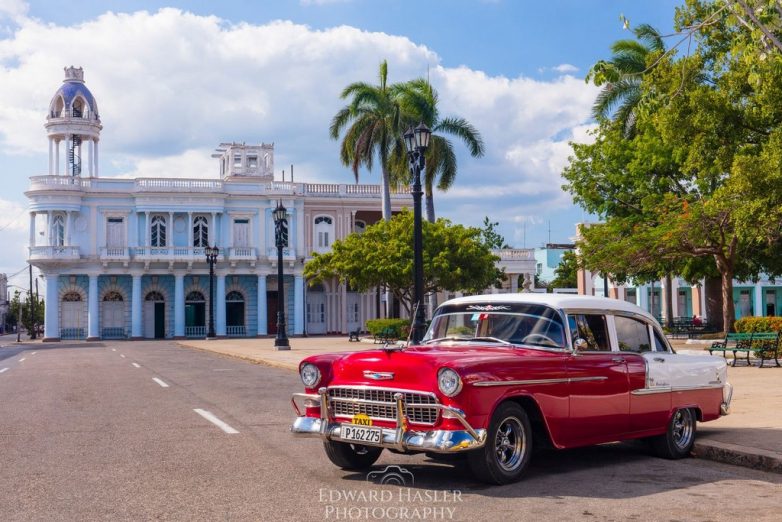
399, 438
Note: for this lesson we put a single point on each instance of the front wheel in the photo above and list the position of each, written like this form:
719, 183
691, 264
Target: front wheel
679, 438
508, 446
352, 457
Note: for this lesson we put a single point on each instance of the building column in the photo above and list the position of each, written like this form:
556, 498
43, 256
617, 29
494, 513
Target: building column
220, 303
262, 312
343, 297
135, 308
179, 306
96, 158
148, 234
298, 305
67, 155
642, 297
49, 227
32, 229
170, 230
68, 218
759, 304
56, 157
90, 153
213, 230
51, 331
190, 229
93, 310
51, 155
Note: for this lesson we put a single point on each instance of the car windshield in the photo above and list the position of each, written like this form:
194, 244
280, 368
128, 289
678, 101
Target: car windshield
533, 325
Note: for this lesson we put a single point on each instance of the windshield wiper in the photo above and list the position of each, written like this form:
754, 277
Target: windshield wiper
468, 340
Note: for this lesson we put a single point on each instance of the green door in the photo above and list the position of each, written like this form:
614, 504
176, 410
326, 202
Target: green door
160, 320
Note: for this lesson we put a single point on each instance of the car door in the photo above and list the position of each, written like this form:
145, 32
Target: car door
598, 382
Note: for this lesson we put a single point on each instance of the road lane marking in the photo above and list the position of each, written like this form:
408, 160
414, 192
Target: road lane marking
136, 365
4, 370
22, 359
214, 420
122, 355
161, 383
33, 353
113, 349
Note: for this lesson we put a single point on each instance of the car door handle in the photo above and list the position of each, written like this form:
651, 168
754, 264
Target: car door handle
658, 359
618, 359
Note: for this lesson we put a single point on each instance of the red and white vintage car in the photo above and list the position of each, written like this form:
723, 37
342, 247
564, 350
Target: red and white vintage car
496, 375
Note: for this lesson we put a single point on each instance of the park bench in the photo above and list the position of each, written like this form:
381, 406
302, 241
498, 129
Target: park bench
386, 335
733, 342
764, 344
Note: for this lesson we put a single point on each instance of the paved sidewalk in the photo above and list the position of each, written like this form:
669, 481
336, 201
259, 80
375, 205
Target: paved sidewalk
750, 436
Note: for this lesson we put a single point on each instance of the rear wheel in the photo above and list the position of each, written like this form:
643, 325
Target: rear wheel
351, 456
508, 446
678, 440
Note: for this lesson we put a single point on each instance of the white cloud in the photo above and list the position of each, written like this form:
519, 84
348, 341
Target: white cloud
172, 85
13, 9
12, 216
565, 68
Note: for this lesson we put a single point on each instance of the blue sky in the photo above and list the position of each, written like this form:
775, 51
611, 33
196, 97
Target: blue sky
174, 81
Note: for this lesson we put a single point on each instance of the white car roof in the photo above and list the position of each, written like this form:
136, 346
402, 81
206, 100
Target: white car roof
559, 301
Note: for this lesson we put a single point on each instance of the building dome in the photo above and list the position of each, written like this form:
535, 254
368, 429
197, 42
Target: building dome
73, 98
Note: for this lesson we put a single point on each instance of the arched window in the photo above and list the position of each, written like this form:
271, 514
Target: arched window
158, 231
113, 296
200, 232
234, 297
195, 296
58, 231
71, 297
323, 233
58, 107
155, 296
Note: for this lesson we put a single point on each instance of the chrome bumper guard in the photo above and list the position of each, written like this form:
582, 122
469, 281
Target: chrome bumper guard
399, 438
727, 395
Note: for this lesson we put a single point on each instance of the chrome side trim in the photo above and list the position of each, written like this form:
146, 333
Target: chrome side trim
670, 389
540, 381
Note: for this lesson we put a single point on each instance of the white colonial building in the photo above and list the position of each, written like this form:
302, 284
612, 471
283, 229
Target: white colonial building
124, 258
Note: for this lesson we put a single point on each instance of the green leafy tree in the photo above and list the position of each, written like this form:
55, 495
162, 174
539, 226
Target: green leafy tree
455, 259
419, 103
490, 237
17, 307
566, 273
371, 126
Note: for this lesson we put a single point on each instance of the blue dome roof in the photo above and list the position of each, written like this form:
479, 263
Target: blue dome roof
72, 88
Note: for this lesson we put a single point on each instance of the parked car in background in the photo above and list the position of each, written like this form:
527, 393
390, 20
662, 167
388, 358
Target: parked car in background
497, 375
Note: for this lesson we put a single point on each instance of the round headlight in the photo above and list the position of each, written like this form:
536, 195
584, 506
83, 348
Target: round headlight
310, 375
449, 382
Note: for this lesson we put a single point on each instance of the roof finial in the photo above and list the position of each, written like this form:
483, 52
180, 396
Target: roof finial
74, 74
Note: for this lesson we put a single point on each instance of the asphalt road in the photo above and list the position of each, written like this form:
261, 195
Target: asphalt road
87, 433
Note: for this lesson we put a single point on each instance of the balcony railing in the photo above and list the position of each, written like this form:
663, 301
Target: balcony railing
241, 253
54, 253
59, 183
153, 253
236, 331
195, 331
515, 254
178, 185
114, 253
288, 254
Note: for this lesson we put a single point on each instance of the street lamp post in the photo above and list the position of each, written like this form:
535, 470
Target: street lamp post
417, 142
280, 220
211, 257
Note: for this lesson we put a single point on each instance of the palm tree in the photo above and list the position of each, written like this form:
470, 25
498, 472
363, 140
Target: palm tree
419, 104
621, 77
371, 124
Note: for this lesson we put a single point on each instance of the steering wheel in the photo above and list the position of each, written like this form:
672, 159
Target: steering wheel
548, 340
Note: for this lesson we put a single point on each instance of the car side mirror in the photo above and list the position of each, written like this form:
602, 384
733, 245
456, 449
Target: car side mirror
580, 344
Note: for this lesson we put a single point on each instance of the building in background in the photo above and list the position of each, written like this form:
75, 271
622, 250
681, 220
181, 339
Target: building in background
124, 258
547, 259
4, 302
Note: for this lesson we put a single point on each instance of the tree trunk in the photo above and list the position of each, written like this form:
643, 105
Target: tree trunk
728, 311
430, 207
712, 289
385, 194
668, 301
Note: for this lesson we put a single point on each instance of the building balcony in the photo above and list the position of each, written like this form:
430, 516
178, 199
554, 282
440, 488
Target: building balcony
288, 254
119, 254
54, 253
236, 254
171, 254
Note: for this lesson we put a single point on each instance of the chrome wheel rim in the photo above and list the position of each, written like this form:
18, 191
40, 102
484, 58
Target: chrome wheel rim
683, 429
510, 444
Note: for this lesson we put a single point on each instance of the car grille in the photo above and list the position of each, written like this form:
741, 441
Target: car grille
379, 404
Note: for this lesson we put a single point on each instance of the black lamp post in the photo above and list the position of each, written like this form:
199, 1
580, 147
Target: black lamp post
211, 258
417, 142
280, 220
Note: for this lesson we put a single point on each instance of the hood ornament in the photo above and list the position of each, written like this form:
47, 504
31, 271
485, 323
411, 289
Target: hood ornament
378, 376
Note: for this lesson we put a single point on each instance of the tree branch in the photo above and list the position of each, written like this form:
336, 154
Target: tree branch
751, 15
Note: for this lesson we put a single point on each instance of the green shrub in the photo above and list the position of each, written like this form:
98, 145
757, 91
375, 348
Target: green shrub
401, 327
759, 324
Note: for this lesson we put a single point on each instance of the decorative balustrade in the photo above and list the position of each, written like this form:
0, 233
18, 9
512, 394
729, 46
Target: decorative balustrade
59, 183
515, 254
147, 253
241, 253
178, 185
42, 253
236, 331
109, 253
195, 331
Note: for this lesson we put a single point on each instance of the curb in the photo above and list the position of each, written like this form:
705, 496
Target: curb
738, 455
